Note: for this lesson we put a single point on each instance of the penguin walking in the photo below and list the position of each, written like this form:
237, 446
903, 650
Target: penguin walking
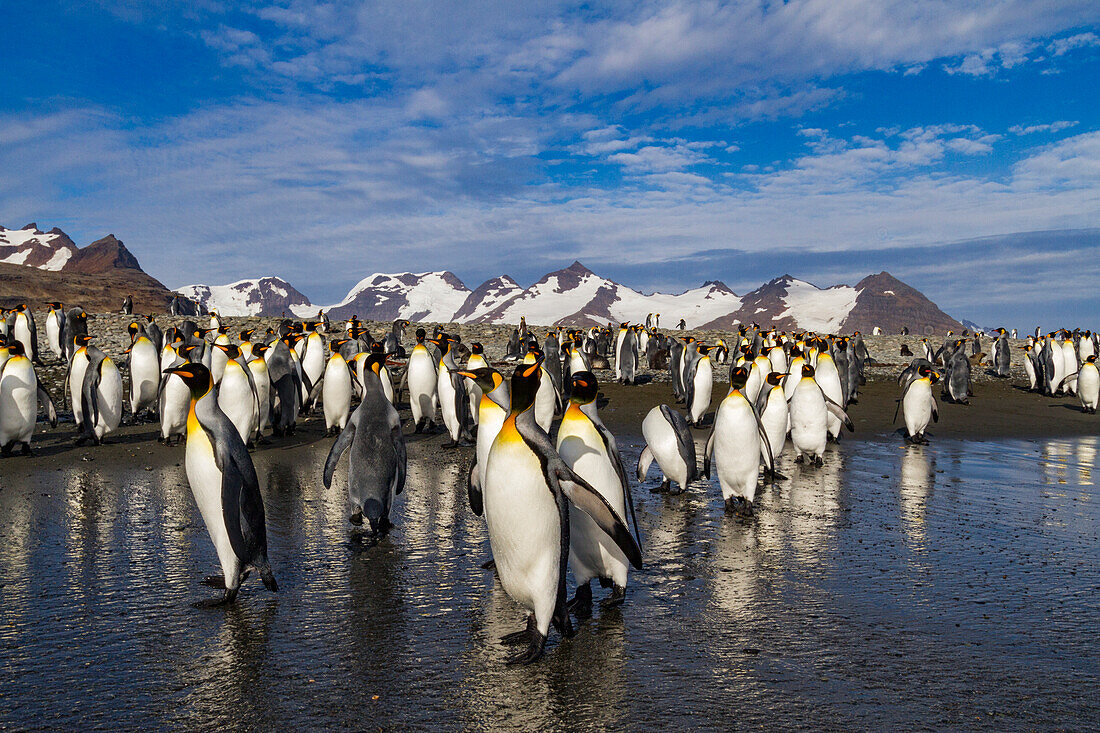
261, 378
422, 380
809, 408
527, 486
377, 465
669, 442
21, 394
918, 406
78, 364
734, 446
337, 389
55, 325
1088, 384
173, 398
237, 394
957, 385
100, 397
453, 401
699, 383
286, 387
224, 484
143, 363
827, 377
492, 411
775, 417
590, 450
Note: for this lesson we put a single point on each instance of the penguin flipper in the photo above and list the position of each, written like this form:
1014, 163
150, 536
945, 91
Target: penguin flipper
89, 400
612, 449
342, 444
708, 452
473, 489
645, 460
46, 401
242, 503
592, 503
398, 438
685, 443
838, 412
935, 410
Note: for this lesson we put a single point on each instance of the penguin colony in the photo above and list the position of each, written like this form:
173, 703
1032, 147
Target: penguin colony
551, 500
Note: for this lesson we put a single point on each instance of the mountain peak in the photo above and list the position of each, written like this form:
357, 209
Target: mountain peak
103, 255
578, 269
33, 226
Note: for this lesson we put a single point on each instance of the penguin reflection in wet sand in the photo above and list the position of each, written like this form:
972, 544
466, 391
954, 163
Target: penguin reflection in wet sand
527, 486
377, 466
589, 448
223, 481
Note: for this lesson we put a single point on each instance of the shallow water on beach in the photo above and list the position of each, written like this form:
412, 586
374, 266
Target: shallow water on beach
951, 586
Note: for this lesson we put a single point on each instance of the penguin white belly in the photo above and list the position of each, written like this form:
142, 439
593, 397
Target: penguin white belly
592, 554
22, 333
447, 407
422, 385
1069, 363
546, 401
808, 424
18, 401
173, 411
387, 384
524, 527
218, 359
262, 380
206, 486
53, 334
491, 419
703, 384
576, 363
754, 382
736, 448
828, 378
336, 393
776, 421
109, 399
917, 407
1085, 350
1088, 386
778, 360
76, 384
661, 439
236, 401
1029, 369
144, 375
1059, 371
313, 365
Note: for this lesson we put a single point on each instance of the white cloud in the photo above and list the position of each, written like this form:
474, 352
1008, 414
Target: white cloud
1062, 46
1057, 126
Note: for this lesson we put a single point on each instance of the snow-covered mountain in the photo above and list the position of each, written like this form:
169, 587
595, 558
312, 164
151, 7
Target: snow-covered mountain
576, 296
264, 296
423, 296
33, 248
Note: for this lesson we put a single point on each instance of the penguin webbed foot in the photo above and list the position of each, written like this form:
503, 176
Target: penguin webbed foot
581, 603
617, 597
228, 597
533, 651
520, 637
357, 518
739, 506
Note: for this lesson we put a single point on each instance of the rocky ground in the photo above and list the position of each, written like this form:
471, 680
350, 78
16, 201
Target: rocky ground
109, 330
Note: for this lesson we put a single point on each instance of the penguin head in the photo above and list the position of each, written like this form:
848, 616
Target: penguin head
585, 388
149, 318
54, 306
335, 345
1091, 359
807, 371
774, 378
926, 371
260, 349
705, 349
195, 376
133, 329
16, 349
525, 383
246, 335
374, 363
477, 348
231, 350
420, 335
738, 377
486, 378
377, 348
83, 339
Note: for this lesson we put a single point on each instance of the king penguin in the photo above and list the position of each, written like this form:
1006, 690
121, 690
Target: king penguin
336, 390
224, 484
492, 410
55, 325
1088, 384
810, 408
669, 442
20, 396
590, 450
237, 395
918, 406
527, 486
143, 363
100, 397
734, 446
377, 466
421, 377
775, 417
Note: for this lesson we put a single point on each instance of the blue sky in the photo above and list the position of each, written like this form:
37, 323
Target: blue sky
955, 144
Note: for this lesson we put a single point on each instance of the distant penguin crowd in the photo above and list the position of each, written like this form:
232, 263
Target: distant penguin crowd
546, 473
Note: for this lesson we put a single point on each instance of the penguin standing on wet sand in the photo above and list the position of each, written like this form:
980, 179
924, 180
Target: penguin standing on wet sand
143, 363
377, 466
55, 325
224, 484
237, 395
337, 389
669, 442
699, 384
100, 397
1088, 384
453, 402
420, 375
918, 406
527, 486
590, 450
775, 417
492, 410
734, 445
20, 396
810, 408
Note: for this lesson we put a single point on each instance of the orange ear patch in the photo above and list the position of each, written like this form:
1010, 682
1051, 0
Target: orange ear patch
531, 370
